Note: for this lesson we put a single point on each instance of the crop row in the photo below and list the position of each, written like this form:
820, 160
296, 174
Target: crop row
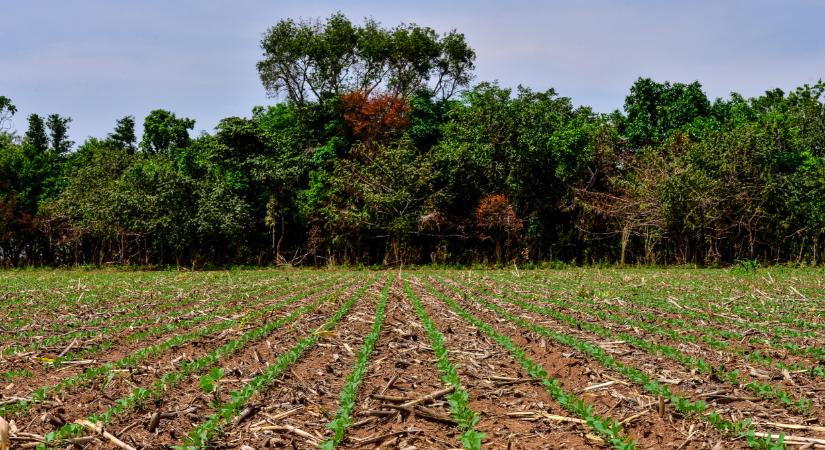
639, 377
110, 370
201, 436
799, 403
170, 312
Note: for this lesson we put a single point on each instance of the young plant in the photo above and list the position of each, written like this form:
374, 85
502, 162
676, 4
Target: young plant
210, 383
459, 399
346, 402
606, 427
200, 437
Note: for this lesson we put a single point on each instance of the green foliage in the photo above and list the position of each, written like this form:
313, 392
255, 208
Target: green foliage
210, 382
316, 61
673, 178
58, 133
163, 131
746, 266
656, 109
124, 133
7, 110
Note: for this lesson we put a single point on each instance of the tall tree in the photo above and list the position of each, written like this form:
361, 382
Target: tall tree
163, 130
313, 60
655, 109
59, 133
36, 140
124, 133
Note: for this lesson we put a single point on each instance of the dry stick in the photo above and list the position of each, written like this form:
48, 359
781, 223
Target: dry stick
376, 413
20, 435
291, 429
423, 412
543, 415
503, 381
798, 293
633, 417
69, 347
364, 421
99, 430
791, 426
10, 400
661, 406
498, 378
128, 428
690, 436
153, 422
388, 385
671, 300
433, 414
284, 414
270, 419
409, 404
4, 434
82, 362
380, 438
791, 439
390, 398
431, 396
599, 386
245, 414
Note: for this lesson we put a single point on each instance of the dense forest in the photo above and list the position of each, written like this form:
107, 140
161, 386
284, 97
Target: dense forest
381, 147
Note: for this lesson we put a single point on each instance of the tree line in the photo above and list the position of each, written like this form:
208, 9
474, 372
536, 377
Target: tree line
380, 149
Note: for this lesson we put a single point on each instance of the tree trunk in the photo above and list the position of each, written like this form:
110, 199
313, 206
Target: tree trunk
395, 250
280, 239
625, 237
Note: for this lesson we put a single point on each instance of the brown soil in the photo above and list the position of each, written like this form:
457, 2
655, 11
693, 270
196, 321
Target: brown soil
308, 393
402, 366
731, 401
621, 400
47, 375
85, 401
185, 407
515, 412
499, 388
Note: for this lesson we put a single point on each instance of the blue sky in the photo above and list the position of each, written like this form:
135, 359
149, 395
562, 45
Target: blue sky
98, 60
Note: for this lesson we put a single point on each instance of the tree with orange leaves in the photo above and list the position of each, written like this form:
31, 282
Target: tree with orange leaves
376, 118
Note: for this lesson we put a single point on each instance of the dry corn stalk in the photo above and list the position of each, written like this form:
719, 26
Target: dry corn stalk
4, 434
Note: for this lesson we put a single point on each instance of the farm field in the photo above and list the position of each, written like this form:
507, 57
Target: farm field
415, 359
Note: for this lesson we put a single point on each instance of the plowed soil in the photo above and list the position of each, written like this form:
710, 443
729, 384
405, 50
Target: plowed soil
402, 401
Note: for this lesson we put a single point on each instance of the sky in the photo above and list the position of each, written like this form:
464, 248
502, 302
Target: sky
98, 60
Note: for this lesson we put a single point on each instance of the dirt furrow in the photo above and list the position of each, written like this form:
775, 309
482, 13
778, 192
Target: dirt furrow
516, 412
402, 367
186, 405
44, 374
86, 400
306, 398
605, 389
